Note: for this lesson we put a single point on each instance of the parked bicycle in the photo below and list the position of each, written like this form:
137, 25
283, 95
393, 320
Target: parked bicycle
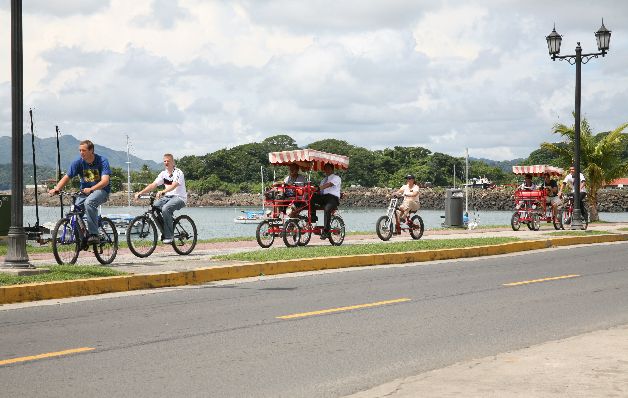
389, 224
70, 235
565, 215
141, 234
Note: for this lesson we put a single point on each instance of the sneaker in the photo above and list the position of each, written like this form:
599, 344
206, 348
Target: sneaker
167, 241
314, 219
93, 239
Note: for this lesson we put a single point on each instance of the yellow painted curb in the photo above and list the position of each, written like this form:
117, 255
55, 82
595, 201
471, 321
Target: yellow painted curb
84, 287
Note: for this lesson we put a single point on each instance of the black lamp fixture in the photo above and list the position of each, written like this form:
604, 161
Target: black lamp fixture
603, 37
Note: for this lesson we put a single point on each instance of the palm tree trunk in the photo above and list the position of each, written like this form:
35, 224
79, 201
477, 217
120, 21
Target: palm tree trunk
592, 199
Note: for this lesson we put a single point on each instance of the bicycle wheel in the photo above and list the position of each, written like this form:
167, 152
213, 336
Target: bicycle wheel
417, 228
305, 229
141, 236
556, 220
107, 248
564, 216
291, 233
336, 231
514, 221
65, 242
185, 235
264, 235
535, 224
384, 228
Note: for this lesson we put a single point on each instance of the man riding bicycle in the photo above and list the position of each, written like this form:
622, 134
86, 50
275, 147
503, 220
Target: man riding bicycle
171, 198
410, 192
94, 173
570, 180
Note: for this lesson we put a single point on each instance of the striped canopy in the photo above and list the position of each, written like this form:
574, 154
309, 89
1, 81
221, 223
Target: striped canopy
537, 170
308, 159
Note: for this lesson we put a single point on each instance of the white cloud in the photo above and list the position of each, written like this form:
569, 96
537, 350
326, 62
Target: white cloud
445, 75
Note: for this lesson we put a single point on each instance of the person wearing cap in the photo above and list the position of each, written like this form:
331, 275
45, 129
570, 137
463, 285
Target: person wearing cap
528, 185
410, 192
328, 197
551, 190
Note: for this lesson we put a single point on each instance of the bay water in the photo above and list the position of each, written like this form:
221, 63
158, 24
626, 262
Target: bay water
217, 222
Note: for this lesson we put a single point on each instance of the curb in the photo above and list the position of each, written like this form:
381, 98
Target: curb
85, 287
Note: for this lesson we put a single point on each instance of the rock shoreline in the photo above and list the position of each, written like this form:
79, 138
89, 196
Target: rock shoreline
613, 201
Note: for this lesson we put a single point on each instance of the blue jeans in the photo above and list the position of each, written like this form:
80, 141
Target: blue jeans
92, 202
167, 205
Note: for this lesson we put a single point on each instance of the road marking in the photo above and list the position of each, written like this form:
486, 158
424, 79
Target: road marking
340, 309
541, 280
46, 355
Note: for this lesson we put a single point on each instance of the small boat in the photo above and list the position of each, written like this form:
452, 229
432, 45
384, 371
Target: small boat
121, 221
250, 217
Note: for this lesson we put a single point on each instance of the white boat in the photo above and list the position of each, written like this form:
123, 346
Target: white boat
250, 217
121, 221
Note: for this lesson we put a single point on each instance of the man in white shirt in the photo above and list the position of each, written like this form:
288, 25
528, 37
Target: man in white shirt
569, 181
171, 198
328, 198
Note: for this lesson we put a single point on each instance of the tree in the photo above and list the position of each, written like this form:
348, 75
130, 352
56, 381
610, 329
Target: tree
281, 142
600, 158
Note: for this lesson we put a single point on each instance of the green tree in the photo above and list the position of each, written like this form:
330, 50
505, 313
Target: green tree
281, 142
600, 158
116, 179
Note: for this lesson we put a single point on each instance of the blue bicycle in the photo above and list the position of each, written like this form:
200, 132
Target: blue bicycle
69, 236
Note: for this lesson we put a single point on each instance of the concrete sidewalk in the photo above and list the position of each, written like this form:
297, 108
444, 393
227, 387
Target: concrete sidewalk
164, 259
589, 365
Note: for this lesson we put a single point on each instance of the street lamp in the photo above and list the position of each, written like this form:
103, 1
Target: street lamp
603, 37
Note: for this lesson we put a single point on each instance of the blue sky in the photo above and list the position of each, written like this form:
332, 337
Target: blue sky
193, 76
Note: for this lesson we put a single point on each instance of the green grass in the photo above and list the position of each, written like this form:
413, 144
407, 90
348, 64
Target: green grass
60, 273
284, 253
623, 229
578, 233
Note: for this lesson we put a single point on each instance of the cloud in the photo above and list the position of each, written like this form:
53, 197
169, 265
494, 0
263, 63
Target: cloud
60, 8
164, 14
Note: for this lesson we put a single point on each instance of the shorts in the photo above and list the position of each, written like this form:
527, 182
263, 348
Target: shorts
409, 206
554, 200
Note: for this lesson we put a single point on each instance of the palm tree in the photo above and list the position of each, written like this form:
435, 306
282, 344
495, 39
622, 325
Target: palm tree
600, 158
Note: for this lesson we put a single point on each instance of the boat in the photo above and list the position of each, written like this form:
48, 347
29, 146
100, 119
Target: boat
250, 217
121, 221
481, 182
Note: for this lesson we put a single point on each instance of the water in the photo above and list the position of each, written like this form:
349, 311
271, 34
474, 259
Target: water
216, 222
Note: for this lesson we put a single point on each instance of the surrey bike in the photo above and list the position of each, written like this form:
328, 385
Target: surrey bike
388, 224
284, 200
70, 235
141, 234
531, 207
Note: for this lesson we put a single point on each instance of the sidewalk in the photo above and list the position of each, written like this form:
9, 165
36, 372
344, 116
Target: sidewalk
589, 365
164, 259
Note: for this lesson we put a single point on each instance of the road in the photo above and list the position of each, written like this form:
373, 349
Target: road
260, 338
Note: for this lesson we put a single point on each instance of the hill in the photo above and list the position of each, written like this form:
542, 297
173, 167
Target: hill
46, 153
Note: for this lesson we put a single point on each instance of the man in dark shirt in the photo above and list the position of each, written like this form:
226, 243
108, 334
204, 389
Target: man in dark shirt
94, 173
551, 190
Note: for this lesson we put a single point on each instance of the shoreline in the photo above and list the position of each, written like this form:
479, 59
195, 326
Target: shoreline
609, 201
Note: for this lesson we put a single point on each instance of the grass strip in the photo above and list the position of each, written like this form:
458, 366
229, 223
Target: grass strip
578, 233
623, 229
60, 273
284, 253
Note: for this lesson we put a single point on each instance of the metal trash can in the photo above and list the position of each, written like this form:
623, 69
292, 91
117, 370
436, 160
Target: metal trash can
453, 208
5, 214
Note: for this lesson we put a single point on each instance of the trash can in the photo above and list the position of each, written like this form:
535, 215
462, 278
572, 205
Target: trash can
453, 208
5, 214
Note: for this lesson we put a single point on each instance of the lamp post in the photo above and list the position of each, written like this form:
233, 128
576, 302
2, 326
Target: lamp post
16, 254
603, 37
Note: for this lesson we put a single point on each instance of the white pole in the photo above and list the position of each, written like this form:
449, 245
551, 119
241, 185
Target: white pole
466, 177
454, 176
261, 170
128, 172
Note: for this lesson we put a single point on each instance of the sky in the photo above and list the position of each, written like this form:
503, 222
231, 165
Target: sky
193, 76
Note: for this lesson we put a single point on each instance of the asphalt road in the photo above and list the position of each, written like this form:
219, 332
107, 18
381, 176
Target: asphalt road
226, 340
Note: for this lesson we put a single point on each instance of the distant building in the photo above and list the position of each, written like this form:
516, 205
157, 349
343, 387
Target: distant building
618, 183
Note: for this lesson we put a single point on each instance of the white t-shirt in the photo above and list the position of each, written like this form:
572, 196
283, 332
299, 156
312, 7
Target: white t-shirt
334, 189
165, 178
407, 191
289, 180
569, 180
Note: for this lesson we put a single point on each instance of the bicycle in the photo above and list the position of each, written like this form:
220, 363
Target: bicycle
566, 213
70, 235
141, 234
387, 224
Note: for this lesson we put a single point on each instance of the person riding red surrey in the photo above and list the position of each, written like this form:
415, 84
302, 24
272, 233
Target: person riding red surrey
328, 198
